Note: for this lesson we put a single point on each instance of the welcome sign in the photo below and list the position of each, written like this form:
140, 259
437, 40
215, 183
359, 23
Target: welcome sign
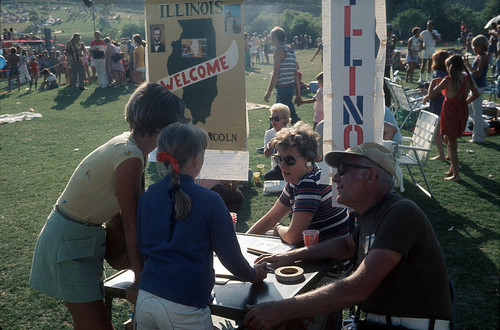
354, 54
196, 50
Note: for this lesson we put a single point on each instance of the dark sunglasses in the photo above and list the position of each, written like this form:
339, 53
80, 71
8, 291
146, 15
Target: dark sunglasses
289, 159
272, 118
342, 169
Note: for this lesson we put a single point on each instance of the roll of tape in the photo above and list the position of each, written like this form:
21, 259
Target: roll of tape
289, 274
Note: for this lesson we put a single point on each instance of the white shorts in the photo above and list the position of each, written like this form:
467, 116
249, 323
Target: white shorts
153, 312
428, 53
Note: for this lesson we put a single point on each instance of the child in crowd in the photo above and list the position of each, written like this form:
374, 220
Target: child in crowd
49, 80
318, 101
454, 112
179, 226
415, 46
33, 63
280, 118
436, 103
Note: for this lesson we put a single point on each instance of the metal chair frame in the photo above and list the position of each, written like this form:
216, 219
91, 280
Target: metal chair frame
417, 152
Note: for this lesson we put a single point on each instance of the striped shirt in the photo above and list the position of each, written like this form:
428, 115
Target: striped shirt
311, 196
287, 68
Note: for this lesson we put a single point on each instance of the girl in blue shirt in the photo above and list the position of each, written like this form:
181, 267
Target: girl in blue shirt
180, 226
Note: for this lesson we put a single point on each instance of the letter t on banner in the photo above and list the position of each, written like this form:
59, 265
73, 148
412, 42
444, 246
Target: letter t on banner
354, 59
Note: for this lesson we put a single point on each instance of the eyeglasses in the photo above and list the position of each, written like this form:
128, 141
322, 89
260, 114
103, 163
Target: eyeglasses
342, 169
288, 159
273, 118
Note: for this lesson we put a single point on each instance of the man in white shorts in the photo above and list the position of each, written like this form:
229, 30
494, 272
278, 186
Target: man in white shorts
430, 36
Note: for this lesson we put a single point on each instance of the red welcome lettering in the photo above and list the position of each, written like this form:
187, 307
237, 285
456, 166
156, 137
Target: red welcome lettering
213, 69
201, 71
184, 80
177, 80
191, 71
223, 62
167, 86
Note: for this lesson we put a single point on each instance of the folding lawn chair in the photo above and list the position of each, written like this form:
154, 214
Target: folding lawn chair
417, 151
405, 102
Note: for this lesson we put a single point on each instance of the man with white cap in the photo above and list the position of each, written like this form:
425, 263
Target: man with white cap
400, 276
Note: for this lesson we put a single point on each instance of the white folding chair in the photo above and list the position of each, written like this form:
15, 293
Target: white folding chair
405, 102
417, 151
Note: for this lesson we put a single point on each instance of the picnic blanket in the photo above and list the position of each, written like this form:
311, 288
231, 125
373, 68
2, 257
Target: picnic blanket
8, 118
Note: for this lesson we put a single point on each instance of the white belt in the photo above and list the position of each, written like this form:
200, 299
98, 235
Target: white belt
409, 322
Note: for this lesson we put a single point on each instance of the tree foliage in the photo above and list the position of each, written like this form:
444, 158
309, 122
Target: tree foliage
294, 23
404, 22
129, 29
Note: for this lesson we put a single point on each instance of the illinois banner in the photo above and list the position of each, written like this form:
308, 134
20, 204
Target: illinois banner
354, 53
196, 50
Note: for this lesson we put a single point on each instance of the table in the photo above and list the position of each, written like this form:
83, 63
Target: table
231, 295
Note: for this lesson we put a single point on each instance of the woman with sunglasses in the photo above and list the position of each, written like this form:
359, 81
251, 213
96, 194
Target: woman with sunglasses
309, 201
280, 118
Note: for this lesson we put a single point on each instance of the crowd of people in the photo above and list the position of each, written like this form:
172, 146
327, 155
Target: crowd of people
399, 277
105, 61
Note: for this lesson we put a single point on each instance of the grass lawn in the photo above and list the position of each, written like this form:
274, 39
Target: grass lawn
37, 158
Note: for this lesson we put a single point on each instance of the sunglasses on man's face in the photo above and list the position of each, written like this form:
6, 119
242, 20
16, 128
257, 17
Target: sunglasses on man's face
342, 169
273, 118
289, 160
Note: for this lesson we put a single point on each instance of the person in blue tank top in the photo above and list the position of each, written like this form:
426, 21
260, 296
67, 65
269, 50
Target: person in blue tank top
478, 69
284, 77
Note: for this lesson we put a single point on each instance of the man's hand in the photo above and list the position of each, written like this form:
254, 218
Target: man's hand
264, 316
276, 260
298, 100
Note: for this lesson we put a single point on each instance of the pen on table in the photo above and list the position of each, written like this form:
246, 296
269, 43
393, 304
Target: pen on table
269, 269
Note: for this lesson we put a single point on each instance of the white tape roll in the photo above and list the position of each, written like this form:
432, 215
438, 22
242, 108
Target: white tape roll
289, 274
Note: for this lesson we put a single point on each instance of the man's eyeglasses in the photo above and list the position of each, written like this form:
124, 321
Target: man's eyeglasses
273, 118
289, 159
342, 169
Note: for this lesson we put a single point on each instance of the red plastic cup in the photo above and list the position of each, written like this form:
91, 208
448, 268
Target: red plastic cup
311, 237
235, 218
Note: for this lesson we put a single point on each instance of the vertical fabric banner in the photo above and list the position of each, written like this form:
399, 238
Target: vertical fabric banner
196, 50
354, 39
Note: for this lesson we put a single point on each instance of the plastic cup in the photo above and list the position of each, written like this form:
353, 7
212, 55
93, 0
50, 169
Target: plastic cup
256, 177
311, 237
260, 167
235, 218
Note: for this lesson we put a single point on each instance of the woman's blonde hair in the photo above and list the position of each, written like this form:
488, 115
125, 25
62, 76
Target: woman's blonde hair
152, 107
282, 110
183, 142
300, 136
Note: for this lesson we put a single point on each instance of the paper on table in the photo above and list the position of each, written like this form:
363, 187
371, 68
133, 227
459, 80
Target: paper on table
225, 165
256, 249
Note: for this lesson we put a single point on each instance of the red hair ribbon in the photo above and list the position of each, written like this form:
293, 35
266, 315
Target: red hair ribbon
163, 156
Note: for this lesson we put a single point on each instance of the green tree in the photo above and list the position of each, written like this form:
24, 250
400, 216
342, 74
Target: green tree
406, 20
263, 22
296, 23
129, 29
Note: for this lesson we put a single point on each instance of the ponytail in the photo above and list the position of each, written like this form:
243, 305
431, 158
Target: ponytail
178, 143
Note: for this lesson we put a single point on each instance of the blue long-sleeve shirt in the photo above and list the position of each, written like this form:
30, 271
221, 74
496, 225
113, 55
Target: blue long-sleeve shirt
178, 254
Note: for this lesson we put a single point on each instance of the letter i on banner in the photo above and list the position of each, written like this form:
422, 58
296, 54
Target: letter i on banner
354, 41
196, 50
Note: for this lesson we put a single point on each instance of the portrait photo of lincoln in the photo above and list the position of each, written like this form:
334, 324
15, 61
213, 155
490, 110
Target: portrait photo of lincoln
157, 46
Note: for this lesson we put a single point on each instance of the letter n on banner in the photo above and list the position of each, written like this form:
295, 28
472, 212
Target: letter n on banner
354, 38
